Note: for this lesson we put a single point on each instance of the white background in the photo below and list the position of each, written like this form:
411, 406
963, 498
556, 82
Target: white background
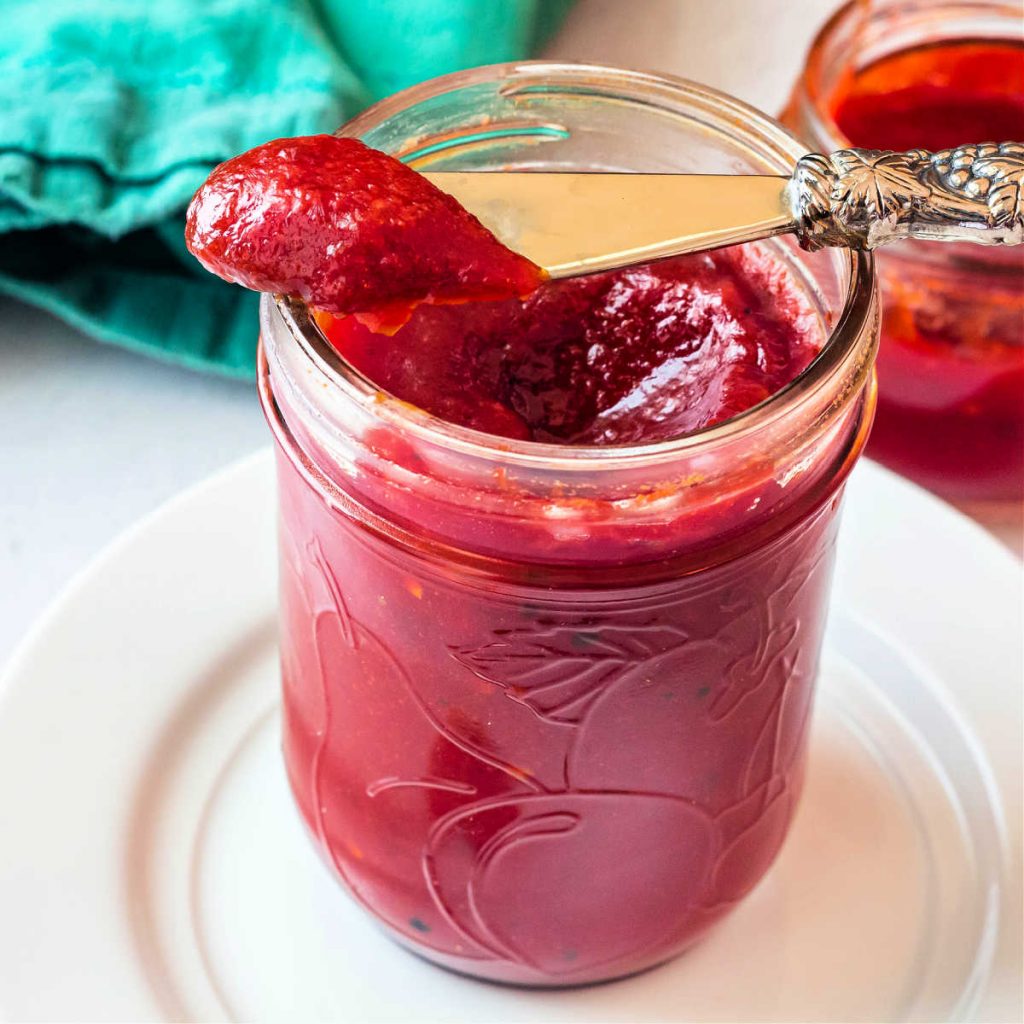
91, 437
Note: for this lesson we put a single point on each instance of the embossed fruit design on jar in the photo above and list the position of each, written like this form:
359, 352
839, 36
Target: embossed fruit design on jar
555, 571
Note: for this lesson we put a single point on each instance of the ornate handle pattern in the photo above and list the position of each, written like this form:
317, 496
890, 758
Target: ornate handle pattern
863, 198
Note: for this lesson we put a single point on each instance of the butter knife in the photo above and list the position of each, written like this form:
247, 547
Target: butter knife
579, 223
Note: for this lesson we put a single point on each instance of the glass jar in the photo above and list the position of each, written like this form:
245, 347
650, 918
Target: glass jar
545, 707
951, 363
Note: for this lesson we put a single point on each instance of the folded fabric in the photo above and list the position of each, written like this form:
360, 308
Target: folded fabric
113, 111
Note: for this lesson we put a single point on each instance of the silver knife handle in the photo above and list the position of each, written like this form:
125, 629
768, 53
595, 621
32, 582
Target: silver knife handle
863, 198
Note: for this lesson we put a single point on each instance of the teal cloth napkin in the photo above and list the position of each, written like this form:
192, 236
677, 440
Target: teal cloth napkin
113, 111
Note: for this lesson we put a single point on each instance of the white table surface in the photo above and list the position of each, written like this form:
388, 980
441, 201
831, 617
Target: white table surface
92, 438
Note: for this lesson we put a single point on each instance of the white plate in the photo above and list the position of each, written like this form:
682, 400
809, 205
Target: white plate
151, 866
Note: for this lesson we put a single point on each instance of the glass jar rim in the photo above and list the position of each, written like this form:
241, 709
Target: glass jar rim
843, 347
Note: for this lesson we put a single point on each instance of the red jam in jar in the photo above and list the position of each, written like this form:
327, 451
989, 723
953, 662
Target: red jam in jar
936, 96
554, 571
642, 354
951, 364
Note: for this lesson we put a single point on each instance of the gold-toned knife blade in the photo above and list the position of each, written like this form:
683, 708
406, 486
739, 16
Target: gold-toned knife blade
572, 223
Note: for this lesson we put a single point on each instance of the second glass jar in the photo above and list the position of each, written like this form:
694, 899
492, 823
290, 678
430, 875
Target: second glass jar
902, 74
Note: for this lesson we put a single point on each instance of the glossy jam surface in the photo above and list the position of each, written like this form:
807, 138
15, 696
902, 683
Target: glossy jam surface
635, 355
346, 228
951, 364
